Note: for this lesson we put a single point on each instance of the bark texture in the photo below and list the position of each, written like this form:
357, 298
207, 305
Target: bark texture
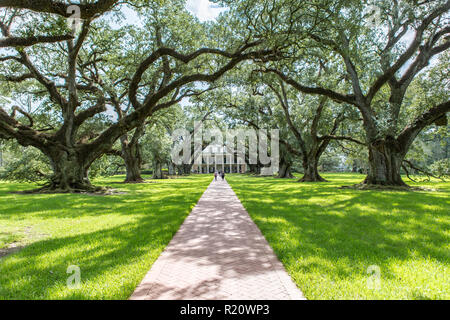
157, 170
285, 170
132, 158
385, 161
311, 173
131, 154
70, 171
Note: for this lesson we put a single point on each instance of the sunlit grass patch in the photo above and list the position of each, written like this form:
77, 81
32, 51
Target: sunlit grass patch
8, 237
328, 238
114, 239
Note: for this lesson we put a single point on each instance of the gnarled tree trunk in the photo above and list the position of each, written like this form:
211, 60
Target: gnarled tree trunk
171, 168
254, 168
385, 160
311, 173
187, 168
132, 164
285, 170
131, 154
354, 167
157, 170
70, 172
387, 154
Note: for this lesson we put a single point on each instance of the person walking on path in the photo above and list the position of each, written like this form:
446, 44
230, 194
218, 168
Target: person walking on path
223, 175
215, 176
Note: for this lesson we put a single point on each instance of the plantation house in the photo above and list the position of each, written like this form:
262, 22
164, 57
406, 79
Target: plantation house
216, 157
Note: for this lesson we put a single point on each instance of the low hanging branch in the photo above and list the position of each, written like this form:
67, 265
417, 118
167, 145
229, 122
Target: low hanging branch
341, 138
114, 152
20, 78
407, 172
87, 10
346, 150
412, 166
26, 114
335, 96
29, 41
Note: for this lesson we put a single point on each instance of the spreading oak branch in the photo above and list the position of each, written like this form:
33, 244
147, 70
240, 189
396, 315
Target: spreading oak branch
87, 10
29, 41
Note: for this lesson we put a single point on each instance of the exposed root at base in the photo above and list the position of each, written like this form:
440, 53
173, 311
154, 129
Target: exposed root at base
378, 187
95, 191
311, 180
10, 249
135, 181
285, 177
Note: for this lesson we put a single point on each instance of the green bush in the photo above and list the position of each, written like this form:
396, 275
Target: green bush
25, 165
441, 168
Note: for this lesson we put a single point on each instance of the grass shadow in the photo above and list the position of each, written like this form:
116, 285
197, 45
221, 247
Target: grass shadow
114, 240
327, 237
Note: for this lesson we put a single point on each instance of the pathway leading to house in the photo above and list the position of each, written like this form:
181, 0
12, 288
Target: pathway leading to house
218, 253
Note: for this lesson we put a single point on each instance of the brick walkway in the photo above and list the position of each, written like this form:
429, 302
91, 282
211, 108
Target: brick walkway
218, 253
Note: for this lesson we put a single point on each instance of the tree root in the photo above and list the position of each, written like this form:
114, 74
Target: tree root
84, 189
310, 179
135, 181
288, 176
379, 187
412, 166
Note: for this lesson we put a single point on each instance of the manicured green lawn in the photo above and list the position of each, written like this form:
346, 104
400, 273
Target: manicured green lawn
327, 238
113, 239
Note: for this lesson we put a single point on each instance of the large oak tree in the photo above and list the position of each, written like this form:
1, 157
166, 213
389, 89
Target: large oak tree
77, 98
380, 60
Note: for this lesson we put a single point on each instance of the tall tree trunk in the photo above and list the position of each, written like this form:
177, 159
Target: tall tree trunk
285, 170
131, 155
184, 169
354, 167
187, 168
255, 168
133, 167
385, 160
171, 168
70, 172
311, 173
157, 170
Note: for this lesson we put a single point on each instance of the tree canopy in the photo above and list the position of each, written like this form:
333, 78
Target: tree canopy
366, 79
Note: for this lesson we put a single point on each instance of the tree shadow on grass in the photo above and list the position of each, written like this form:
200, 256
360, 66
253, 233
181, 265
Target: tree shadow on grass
121, 255
318, 230
50, 206
126, 235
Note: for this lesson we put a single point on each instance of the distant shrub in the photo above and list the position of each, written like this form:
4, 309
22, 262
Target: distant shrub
26, 165
441, 168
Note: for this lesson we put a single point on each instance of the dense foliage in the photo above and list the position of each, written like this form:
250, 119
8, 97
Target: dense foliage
352, 85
